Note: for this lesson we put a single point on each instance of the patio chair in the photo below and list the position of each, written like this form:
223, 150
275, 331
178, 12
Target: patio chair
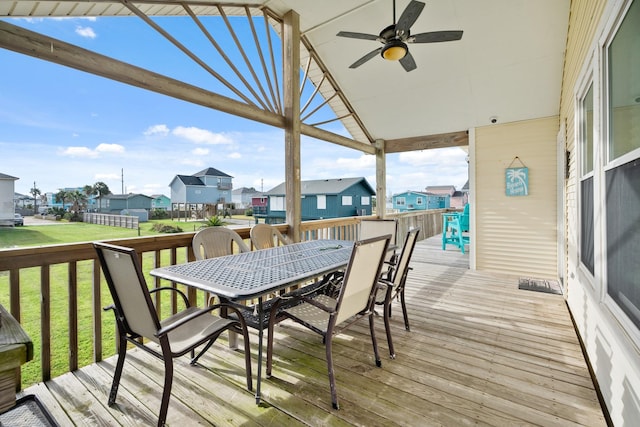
394, 287
265, 236
454, 225
328, 316
380, 227
136, 318
213, 242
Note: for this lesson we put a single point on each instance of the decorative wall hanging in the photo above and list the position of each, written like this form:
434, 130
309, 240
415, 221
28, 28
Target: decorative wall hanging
517, 179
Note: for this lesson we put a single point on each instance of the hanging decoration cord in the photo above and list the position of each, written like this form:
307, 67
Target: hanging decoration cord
518, 159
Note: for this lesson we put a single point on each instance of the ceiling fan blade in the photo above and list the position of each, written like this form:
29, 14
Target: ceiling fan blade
435, 37
361, 36
408, 63
365, 58
409, 16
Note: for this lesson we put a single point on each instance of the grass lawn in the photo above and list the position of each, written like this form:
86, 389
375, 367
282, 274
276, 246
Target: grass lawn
37, 235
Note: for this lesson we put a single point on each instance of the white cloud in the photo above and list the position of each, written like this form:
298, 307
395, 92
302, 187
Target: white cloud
110, 148
89, 153
235, 155
161, 130
86, 32
201, 136
78, 152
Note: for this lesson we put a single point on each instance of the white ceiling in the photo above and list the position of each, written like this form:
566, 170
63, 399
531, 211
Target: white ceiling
508, 63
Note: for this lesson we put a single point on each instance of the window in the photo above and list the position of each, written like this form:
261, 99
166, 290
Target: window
347, 200
587, 228
276, 203
322, 201
365, 200
419, 201
400, 201
622, 170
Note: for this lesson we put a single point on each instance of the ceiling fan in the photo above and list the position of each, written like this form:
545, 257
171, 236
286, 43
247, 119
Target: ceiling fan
396, 36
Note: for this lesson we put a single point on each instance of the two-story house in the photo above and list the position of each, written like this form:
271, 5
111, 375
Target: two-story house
419, 201
204, 191
323, 198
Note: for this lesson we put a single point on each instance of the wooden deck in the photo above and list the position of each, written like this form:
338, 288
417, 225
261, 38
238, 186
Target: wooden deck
480, 352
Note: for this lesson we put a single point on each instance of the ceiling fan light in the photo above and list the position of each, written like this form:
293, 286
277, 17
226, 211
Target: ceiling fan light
394, 50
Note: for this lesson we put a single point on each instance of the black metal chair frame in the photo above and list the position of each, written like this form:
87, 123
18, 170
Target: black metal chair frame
371, 263
162, 330
394, 285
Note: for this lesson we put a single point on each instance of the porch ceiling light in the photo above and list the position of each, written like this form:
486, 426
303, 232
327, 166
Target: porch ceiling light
394, 50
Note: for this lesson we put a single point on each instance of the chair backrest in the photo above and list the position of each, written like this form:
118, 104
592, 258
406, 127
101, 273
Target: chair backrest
361, 276
212, 242
265, 236
378, 227
121, 268
402, 266
464, 218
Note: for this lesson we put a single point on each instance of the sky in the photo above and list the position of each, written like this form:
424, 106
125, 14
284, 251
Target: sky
63, 128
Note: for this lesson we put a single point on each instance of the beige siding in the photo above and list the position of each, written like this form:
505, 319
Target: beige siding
612, 353
517, 235
584, 18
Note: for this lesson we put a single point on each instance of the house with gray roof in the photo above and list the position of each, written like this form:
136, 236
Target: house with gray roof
209, 186
323, 198
116, 203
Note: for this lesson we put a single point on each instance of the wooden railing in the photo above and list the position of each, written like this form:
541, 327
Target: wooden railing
68, 279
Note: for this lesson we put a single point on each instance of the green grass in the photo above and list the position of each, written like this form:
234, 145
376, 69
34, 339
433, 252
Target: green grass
37, 235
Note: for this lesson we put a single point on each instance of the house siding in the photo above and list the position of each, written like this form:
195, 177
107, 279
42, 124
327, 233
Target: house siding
613, 352
517, 235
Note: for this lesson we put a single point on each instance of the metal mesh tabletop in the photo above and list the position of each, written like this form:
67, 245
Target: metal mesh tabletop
250, 274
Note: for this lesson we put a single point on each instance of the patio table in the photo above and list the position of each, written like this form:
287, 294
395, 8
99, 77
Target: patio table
254, 274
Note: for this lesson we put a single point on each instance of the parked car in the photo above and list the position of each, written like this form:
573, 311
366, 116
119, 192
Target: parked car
18, 220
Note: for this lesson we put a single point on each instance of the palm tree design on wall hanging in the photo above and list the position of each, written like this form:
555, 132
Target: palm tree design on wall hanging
517, 179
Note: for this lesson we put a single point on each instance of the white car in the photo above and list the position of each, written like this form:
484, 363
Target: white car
18, 220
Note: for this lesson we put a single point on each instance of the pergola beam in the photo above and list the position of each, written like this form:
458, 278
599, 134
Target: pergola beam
427, 142
40, 46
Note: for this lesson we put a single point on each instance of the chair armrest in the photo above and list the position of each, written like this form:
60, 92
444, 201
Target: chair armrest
165, 330
169, 288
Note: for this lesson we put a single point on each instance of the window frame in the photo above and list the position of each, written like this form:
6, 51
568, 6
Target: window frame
608, 164
588, 82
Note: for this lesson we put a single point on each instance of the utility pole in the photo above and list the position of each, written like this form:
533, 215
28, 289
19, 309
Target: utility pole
122, 179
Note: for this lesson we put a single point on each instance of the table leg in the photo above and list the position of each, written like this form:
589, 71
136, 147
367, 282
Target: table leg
233, 337
260, 334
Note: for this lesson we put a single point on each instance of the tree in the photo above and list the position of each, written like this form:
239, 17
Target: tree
87, 190
35, 192
79, 199
62, 196
101, 189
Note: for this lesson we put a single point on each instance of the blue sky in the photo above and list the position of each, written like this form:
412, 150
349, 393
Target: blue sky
64, 128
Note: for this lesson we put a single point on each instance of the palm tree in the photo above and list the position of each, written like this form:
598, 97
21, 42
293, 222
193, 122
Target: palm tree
62, 196
88, 191
101, 189
78, 198
35, 192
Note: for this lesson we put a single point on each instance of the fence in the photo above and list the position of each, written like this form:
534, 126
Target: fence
124, 221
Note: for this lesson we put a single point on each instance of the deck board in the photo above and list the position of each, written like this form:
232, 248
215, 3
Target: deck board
480, 352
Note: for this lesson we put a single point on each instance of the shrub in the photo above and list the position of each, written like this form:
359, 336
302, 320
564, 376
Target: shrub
248, 212
165, 228
215, 221
159, 214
